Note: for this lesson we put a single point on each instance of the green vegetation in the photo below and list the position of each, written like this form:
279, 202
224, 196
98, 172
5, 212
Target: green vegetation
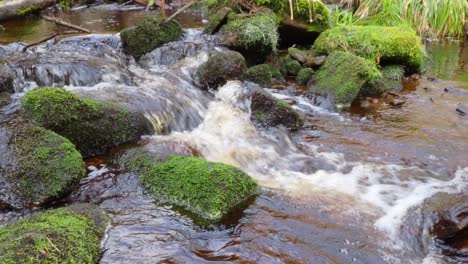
54, 236
258, 33
387, 45
260, 74
148, 35
343, 76
390, 81
28, 10
48, 165
289, 66
430, 18
205, 188
304, 75
93, 126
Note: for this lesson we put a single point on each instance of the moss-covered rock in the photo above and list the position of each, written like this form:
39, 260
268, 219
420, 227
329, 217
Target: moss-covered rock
65, 235
36, 166
220, 67
218, 20
260, 74
208, 189
93, 126
390, 81
388, 45
304, 75
268, 111
255, 35
6, 79
343, 76
289, 66
149, 34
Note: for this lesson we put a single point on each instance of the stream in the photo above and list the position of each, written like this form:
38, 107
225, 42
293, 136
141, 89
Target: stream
378, 183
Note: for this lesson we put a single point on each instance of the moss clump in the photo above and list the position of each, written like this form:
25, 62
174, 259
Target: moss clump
220, 67
260, 74
54, 236
28, 10
258, 33
149, 34
343, 75
93, 126
288, 66
205, 188
48, 165
390, 81
389, 45
304, 75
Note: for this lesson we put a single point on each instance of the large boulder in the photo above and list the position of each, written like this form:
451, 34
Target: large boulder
343, 76
220, 67
93, 126
6, 79
254, 36
148, 35
386, 45
66, 235
268, 111
36, 165
208, 189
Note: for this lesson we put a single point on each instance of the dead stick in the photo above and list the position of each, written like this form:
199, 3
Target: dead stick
62, 23
187, 6
47, 39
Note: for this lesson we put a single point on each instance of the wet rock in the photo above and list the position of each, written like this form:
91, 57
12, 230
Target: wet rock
462, 109
397, 102
456, 91
6, 79
387, 45
149, 34
260, 74
299, 55
342, 77
390, 81
93, 126
36, 165
65, 235
270, 112
254, 36
220, 67
218, 20
304, 75
208, 189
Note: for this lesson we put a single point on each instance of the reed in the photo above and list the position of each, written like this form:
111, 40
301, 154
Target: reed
430, 18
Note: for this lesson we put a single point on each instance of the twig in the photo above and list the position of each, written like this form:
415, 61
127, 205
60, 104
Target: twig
187, 6
47, 39
53, 245
62, 23
126, 3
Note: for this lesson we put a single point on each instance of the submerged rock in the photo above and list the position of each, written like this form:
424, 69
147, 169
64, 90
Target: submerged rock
6, 79
149, 34
386, 45
260, 74
208, 189
66, 235
220, 67
268, 111
93, 126
254, 36
343, 76
36, 165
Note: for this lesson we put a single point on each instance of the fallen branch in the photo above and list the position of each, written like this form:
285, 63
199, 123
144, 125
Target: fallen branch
65, 24
187, 6
47, 39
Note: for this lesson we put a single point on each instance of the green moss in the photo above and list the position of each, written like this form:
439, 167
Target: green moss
275, 72
282, 104
304, 75
293, 67
389, 45
149, 34
93, 126
54, 236
260, 74
343, 75
258, 33
390, 81
28, 10
205, 188
48, 165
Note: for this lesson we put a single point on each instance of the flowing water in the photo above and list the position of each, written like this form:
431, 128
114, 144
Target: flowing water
378, 183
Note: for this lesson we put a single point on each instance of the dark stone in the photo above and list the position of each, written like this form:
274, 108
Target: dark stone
220, 67
462, 109
6, 79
